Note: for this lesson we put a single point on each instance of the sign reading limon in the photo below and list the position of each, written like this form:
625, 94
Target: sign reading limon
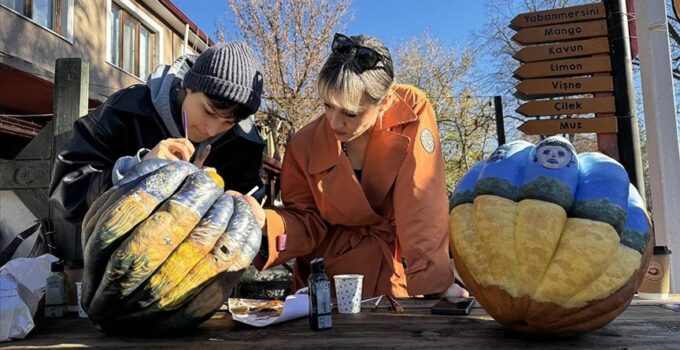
566, 67
569, 126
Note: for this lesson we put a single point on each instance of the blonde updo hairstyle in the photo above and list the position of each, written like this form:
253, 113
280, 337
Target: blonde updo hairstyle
341, 82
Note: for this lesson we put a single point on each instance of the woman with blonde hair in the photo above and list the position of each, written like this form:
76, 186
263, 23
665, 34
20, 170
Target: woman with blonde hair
363, 185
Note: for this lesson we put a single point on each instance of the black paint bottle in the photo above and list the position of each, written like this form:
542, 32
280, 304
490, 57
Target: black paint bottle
319, 297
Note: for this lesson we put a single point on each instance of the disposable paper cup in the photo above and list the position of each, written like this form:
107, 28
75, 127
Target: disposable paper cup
81, 312
656, 284
348, 293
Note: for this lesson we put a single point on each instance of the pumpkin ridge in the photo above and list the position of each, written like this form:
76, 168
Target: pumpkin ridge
541, 207
558, 284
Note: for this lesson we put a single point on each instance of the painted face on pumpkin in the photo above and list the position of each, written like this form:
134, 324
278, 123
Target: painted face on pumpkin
553, 156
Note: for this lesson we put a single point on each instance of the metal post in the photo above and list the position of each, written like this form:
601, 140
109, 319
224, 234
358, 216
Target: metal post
500, 127
628, 139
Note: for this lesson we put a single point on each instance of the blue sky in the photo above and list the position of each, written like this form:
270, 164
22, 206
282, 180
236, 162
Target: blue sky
392, 21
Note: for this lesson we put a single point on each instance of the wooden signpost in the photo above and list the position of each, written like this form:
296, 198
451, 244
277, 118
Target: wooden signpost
584, 53
569, 126
569, 56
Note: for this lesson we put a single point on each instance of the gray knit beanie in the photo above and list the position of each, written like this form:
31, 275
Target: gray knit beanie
231, 71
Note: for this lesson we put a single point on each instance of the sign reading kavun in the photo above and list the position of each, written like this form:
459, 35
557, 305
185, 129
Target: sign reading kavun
569, 55
563, 50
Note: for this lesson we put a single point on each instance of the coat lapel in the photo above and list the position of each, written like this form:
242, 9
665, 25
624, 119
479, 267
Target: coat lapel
386, 151
338, 183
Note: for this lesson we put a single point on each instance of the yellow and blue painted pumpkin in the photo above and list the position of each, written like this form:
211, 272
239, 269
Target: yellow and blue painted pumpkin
547, 240
164, 248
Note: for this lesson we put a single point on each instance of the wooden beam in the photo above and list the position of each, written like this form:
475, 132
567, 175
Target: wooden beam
35, 199
71, 83
25, 174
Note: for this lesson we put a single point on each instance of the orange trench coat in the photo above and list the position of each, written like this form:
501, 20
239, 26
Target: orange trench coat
392, 226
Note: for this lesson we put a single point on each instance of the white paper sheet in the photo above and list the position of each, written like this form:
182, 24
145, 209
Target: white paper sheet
295, 306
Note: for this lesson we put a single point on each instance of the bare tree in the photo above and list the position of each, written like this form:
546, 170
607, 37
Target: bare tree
465, 120
292, 38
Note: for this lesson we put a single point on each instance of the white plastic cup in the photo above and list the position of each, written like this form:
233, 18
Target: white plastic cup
81, 312
348, 293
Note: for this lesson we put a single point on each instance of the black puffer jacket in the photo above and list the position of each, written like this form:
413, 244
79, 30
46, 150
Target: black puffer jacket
126, 122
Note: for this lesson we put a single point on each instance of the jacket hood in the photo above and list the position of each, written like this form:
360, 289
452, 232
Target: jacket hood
161, 82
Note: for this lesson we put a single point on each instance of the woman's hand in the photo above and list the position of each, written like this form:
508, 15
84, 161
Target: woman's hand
455, 291
258, 212
172, 149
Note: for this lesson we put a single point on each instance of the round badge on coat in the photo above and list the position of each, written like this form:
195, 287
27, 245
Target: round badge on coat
427, 140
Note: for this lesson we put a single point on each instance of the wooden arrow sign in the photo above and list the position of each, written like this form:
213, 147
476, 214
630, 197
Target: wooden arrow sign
568, 67
564, 86
560, 32
570, 126
562, 15
563, 50
568, 106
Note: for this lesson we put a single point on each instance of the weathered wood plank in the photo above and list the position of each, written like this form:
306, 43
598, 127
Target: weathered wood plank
639, 327
25, 174
35, 199
71, 89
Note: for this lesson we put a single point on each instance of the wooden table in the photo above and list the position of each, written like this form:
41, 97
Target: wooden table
645, 325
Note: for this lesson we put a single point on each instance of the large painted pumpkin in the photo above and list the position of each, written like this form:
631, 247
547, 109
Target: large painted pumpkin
549, 241
164, 248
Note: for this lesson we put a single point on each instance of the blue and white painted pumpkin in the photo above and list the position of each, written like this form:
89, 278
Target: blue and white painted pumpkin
547, 240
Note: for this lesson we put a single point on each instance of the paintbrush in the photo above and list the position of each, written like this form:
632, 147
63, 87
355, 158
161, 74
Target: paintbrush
186, 125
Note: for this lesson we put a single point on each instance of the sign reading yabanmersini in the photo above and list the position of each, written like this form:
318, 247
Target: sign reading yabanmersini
563, 15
